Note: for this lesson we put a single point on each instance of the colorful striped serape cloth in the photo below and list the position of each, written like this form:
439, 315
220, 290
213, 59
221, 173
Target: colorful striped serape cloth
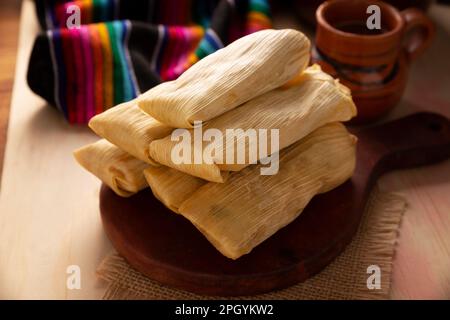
87, 69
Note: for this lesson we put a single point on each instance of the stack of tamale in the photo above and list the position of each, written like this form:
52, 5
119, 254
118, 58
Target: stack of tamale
260, 81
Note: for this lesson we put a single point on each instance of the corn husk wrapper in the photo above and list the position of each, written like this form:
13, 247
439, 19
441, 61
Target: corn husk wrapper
309, 102
170, 186
247, 68
249, 208
119, 170
129, 128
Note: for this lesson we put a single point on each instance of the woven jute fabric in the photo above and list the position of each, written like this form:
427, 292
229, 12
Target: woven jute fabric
345, 278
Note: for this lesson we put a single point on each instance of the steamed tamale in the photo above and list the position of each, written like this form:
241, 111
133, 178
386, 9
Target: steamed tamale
309, 102
119, 170
247, 68
240, 214
170, 186
129, 128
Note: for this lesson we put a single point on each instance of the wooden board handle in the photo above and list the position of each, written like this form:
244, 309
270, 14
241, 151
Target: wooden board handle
167, 248
416, 140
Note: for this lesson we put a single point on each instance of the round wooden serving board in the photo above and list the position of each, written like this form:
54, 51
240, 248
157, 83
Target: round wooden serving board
169, 249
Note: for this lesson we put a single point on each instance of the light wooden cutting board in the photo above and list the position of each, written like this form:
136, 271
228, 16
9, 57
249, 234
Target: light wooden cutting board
48, 205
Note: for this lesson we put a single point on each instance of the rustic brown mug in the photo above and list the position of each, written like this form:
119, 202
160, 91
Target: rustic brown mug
372, 63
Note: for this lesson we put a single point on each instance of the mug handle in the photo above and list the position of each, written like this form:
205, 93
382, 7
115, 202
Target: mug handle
419, 30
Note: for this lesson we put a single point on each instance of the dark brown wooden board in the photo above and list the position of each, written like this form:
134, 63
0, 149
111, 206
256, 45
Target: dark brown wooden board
167, 248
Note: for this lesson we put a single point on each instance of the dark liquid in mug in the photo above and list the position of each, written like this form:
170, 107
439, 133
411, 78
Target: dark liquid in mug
358, 27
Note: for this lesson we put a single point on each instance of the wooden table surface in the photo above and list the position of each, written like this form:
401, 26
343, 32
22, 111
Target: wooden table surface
9, 29
49, 206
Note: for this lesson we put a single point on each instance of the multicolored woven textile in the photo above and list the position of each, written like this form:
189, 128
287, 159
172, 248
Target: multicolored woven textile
103, 62
92, 67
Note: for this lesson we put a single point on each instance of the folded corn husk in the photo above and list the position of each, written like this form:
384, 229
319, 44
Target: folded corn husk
119, 170
129, 128
245, 69
310, 101
170, 186
240, 214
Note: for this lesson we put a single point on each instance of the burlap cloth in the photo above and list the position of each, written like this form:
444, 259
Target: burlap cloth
345, 278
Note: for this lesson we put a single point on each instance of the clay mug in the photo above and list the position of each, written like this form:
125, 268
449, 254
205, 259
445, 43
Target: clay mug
374, 64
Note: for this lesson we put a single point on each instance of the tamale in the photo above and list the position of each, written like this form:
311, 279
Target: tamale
311, 101
249, 208
129, 128
247, 68
170, 186
119, 170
